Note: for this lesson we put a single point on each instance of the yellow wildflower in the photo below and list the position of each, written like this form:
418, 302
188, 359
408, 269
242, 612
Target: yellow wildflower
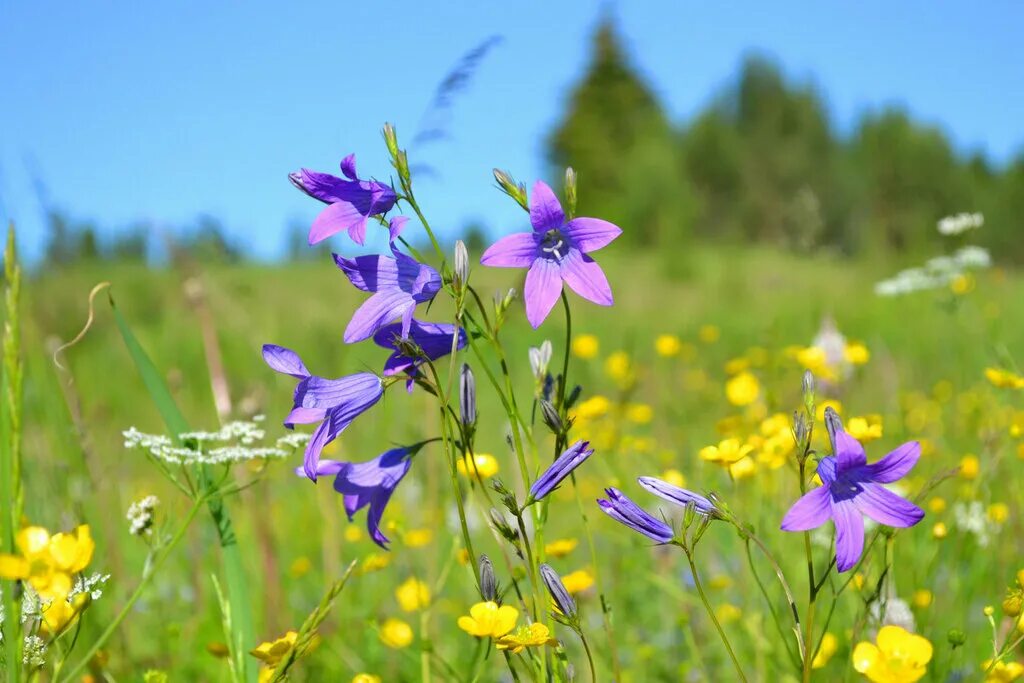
865, 429
667, 345
639, 413
560, 547
998, 512
353, 533
412, 595
1004, 379
962, 284
819, 412
674, 477
727, 452
375, 562
970, 466
728, 613
395, 633
813, 358
709, 334
299, 567
743, 389
483, 463
417, 538
856, 353
271, 653
939, 531
922, 598
898, 656
366, 678
1002, 672
828, 647
578, 581
585, 346
534, 635
737, 365
592, 408
719, 582
743, 469
936, 505
488, 620
619, 367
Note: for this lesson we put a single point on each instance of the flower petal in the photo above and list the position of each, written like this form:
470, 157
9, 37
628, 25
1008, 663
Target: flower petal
284, 360
395, 227
809, 512
517, 250
827, 469
304, 416
543, 285
586, 278
679, 496
369, 273
375, 312
348, 167
886, 507
895, 465
323, 435
591, 234
335, 218
545, 209
849, 534
849, 453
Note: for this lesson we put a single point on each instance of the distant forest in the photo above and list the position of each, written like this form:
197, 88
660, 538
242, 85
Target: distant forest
762, 163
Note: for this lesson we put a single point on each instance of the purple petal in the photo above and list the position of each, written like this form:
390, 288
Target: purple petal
335, 218
895, 465
517, 250
323, 187
562, 467
376, 312
319, 392
304, 416
679, 496
545, 209
849, 453
849, 534
543, 285
323, 435
369, 273
586, 278
810, 511
591, 234
623, 510
827, 469
886, 507
395, 227
284, 360
348, 167
324, 468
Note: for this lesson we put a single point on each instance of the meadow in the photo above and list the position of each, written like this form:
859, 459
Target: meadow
703, 347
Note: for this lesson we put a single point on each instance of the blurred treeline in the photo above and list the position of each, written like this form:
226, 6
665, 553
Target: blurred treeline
763, 162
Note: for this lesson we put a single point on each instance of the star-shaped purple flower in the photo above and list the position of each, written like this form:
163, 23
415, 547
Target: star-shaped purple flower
852, 488
351, 202
555, 251
334, 403
398, 285
434, 339
369, 483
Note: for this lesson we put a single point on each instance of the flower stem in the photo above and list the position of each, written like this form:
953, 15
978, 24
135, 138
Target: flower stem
143, 583
590, 657
711, 613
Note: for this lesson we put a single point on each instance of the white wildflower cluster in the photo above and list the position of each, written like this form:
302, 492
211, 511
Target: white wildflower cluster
34, 652
971, 518
234, 442
88, 584
32, 605
140, 516
960, 223
937, 273
894, 611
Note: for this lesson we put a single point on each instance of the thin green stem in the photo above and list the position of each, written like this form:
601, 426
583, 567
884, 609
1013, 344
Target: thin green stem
711, 613
590, 657
795, 658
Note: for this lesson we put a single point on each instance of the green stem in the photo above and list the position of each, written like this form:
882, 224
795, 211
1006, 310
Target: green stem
590, 657
711, 613
143, 583
797, 660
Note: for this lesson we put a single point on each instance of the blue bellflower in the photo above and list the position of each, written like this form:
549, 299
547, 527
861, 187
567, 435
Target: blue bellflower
434, 339
622, 509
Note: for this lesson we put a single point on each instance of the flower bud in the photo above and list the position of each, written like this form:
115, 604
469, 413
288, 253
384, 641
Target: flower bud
540, 358
956, 637
1012, 604
467, 396
391, 139
570, 191
488, 582
573, 396
551, 416
557, 590
402, 166
801, 431
508, 185
833, 424
807, 386
461, 261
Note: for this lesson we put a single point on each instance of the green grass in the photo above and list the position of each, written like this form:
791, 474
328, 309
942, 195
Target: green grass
76, 470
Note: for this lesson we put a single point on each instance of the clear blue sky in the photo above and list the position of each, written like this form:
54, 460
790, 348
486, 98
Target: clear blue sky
162, 111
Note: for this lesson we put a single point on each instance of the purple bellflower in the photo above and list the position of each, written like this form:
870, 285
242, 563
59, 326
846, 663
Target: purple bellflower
369, 483
679, 496
555, 251
434, 339
334, 403
562, 467
624, 510
398, 285
351, 202
852, 488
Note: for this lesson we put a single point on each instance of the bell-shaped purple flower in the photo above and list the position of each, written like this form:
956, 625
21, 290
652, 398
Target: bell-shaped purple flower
562, 467
679, 496
398, 285
369, 484
852, 488
622, 509
334, 403
433, 339
555, 251
351, 202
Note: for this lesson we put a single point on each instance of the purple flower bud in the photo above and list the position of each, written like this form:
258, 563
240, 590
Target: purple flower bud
568, 461
557, 590
622, 509
683, 497
467, 396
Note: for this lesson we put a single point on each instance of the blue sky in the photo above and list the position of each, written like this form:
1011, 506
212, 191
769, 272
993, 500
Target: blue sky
162, 111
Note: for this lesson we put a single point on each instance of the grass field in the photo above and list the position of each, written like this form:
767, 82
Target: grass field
733, 311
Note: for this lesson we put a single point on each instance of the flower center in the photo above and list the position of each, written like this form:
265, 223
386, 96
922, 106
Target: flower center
554, 244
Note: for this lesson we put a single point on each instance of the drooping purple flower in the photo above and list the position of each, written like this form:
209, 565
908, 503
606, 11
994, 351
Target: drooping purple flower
555, 251
334, 403
679, 496
369, 483
398, 284
622, 509
852, 488
351, 202
562, 467
434, 339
